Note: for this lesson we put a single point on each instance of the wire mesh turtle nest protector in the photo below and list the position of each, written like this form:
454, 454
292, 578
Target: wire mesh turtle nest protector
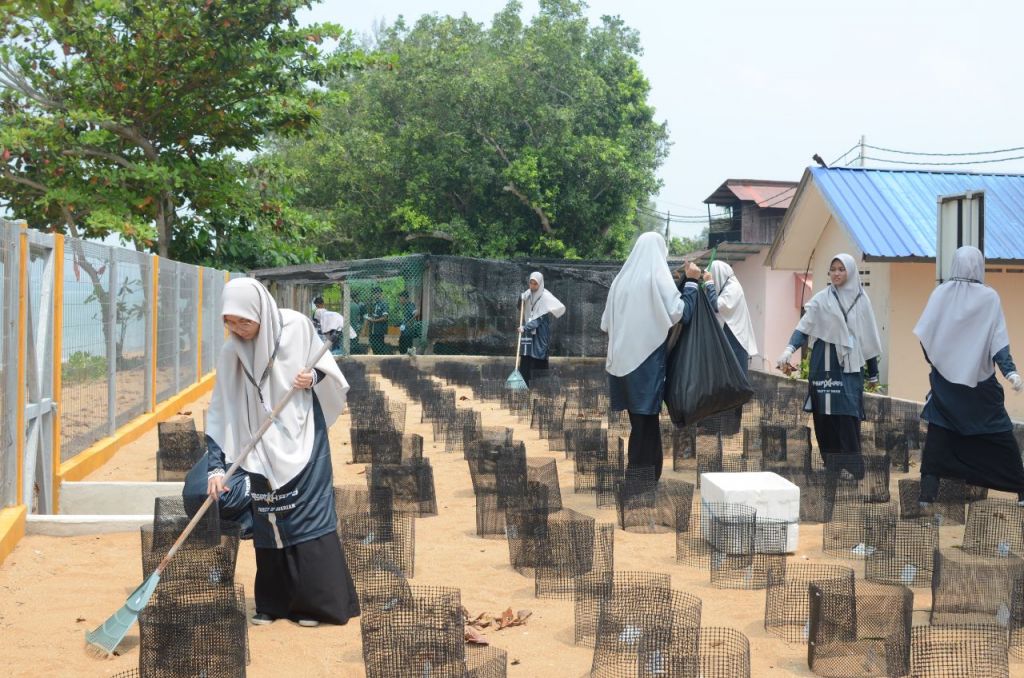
420, 633
194, 629
786, 600
863, 631
960, 651
179, 447
730, 541
208, 555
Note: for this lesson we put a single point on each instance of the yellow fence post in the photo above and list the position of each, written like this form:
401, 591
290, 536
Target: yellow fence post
58, 349
156, 315
19, 406
199, 325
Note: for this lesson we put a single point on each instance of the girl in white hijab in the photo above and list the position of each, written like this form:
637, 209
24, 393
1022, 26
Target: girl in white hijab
643, 304
540, 306
840, 322
300, 568
726, 296
963, 335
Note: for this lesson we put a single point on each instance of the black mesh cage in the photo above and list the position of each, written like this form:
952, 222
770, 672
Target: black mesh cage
973, 589
995, 527
786, 600
421, 635
381, 584
904, 555
592, 590
958, 651
641, 629
721, 653
208, 554
947, 509
368, 538
179, 447
589, 449
645, 505
578, 547
411, 485
193, 629
372, 446
857, 528
864, 632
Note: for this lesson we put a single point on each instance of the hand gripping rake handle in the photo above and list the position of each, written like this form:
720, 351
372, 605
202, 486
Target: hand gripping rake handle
519, 339
241, 457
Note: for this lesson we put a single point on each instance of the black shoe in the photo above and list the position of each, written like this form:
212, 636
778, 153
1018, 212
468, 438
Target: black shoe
262, 619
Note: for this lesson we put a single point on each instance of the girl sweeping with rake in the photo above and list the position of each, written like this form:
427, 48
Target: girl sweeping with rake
535, 335
301, 574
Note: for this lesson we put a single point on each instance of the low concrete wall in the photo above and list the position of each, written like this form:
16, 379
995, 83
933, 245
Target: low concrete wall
74, 526
113, 498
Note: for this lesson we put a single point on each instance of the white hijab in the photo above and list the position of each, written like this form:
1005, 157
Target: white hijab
843, 316
542, 301
285, 343
963, 326
641, 301
732, 306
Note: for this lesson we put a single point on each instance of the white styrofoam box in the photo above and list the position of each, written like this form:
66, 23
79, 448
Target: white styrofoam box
769, 493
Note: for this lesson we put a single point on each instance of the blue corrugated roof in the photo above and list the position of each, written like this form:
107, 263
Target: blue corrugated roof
893, 213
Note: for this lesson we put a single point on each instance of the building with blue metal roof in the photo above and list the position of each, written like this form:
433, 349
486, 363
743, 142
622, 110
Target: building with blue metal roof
887, 220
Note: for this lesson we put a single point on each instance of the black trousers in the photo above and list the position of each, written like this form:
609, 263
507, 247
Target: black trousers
839, 434
310, 580
528, 365
645, 442
989, 460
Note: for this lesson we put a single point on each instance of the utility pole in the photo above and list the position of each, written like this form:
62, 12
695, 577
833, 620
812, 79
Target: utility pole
863, 141
668, 221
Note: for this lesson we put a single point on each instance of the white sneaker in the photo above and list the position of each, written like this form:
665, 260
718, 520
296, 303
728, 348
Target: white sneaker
308, 623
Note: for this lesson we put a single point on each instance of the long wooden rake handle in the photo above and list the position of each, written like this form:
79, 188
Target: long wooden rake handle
245, 453
519, 339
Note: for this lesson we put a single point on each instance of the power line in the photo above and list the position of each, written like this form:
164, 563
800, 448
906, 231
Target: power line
851, 149
946, 155
950, 163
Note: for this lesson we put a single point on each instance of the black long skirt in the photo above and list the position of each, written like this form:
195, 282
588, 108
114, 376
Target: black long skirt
989, 460
309, 580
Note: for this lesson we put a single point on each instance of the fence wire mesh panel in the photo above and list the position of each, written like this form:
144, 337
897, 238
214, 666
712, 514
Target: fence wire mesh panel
451, 305
188, 335
167, 330
86, 335
130, 316
213, 328
8, 287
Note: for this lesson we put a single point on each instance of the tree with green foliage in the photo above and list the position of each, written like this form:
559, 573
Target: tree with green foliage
678, 247
496, 141
128, 116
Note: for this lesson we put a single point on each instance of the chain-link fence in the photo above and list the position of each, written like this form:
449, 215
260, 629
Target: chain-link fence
113, 366
8, 365
448, 305
86, 339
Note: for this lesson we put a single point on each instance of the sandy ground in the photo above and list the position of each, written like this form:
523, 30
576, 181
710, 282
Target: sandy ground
53, 589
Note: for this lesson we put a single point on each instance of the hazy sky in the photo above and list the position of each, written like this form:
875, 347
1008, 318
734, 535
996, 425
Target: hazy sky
752, 89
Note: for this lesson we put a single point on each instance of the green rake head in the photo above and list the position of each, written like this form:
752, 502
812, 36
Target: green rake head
515, 382
105, 638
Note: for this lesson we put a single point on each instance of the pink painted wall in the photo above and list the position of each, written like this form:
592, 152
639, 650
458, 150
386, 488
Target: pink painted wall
911, 286
770, 301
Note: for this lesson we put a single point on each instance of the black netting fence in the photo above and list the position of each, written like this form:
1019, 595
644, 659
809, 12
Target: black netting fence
447, 305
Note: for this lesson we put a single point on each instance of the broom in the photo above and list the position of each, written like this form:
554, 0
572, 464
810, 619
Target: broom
106, 637
515, 381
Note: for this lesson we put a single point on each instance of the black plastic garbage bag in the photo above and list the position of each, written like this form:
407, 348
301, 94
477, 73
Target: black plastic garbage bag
703, 375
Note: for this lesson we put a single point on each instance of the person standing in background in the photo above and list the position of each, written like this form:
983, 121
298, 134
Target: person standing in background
378, 320
535, 342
